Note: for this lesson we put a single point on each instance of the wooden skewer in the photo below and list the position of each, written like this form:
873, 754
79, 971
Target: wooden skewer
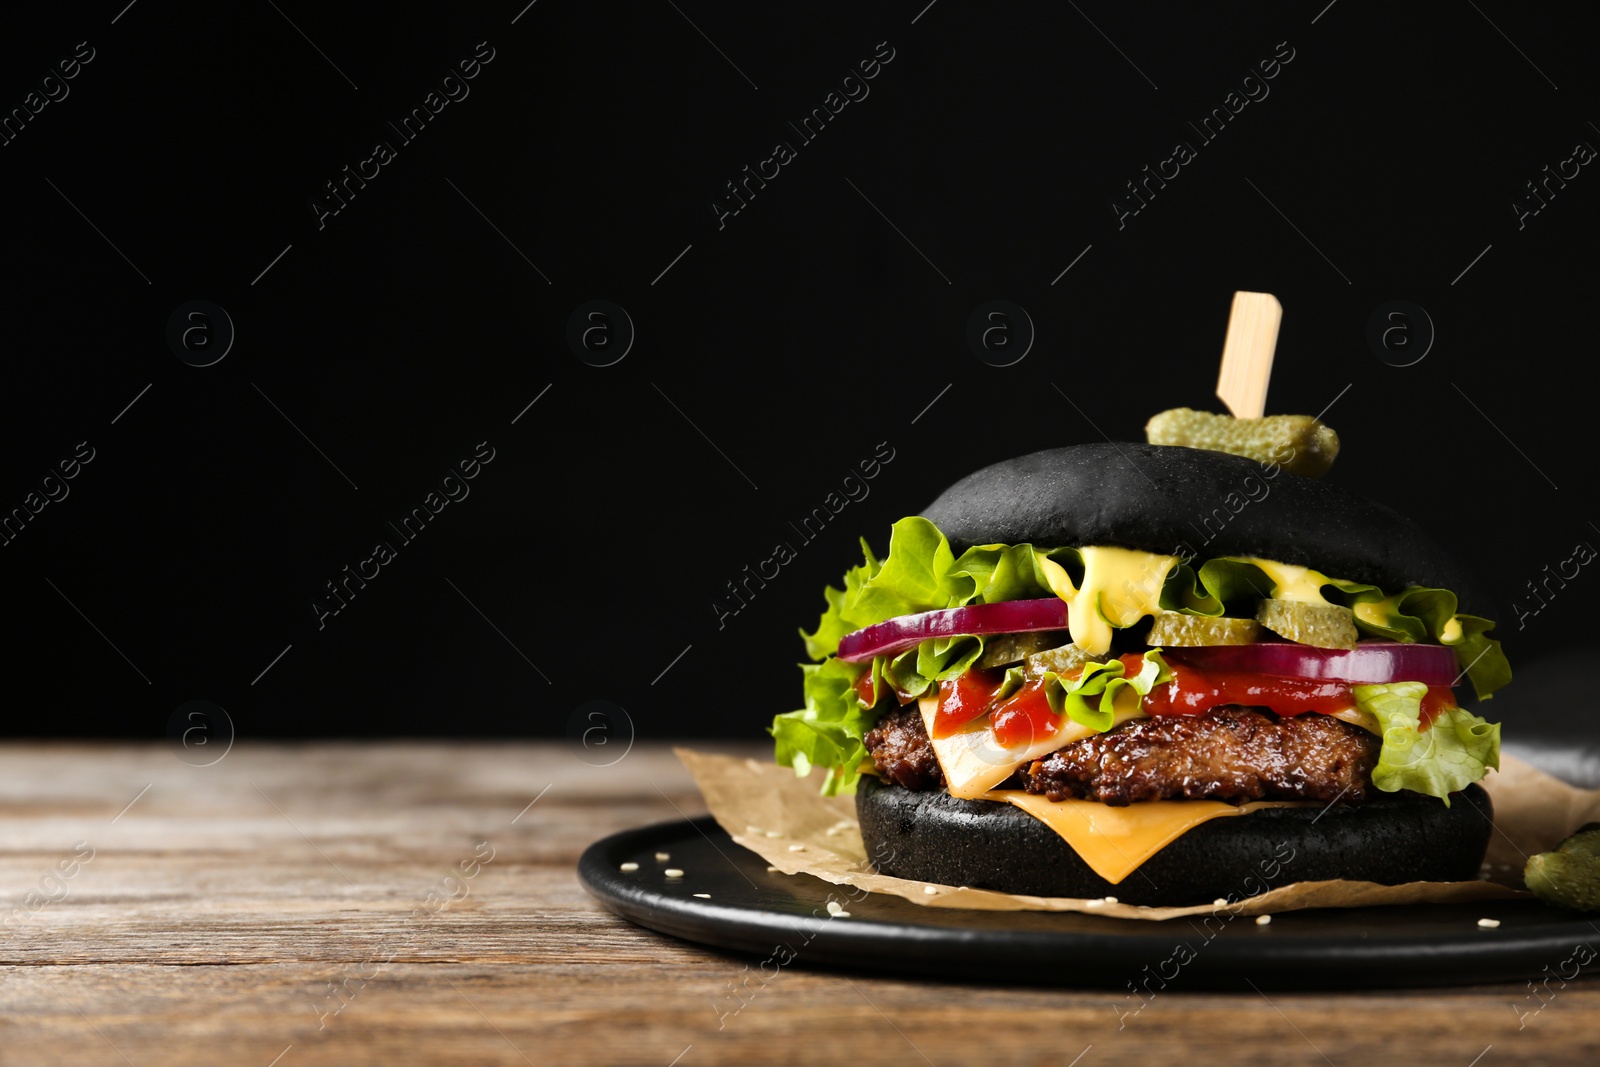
1247, 353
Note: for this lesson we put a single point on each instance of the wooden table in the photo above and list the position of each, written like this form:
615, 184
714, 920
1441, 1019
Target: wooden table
275, 908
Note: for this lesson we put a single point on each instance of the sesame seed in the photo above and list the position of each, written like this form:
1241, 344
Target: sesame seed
673, 872
1220, 902
1263, 920
797, 848
841, 915
629, 867
703, 896
834, 907
773, 833
753, 829
1111, 900
930, 889
662, 857
1488, 924
771, 869
1095, 903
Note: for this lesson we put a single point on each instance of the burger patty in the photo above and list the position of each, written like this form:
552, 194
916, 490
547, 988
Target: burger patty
1229, 753
1232, 753
901, 751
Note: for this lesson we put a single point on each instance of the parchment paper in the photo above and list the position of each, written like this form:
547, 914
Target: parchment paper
782, 818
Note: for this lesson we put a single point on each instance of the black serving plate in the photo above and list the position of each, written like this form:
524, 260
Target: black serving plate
784, 919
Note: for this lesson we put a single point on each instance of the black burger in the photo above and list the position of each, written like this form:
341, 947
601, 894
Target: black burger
1157, 673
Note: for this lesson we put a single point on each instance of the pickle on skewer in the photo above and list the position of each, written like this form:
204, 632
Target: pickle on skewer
1299, 444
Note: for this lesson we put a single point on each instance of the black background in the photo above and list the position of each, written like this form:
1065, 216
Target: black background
773, 354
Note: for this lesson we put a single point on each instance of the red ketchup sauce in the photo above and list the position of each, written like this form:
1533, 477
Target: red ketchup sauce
1026, 715
864, 688
1193, 690
964, 698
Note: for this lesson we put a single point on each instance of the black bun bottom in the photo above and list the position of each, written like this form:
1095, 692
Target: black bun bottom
1397, 838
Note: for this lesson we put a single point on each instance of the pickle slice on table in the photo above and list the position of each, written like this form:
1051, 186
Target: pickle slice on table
1299, 444
1175, 629
1002, 650
1318, 625
1569, 877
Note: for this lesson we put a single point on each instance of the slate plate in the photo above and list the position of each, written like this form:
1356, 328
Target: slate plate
782, 919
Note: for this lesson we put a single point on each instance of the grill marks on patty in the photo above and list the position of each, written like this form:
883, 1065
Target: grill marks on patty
1231, 753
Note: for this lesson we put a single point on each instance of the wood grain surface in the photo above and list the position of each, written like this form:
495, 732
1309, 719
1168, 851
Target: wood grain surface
275, 908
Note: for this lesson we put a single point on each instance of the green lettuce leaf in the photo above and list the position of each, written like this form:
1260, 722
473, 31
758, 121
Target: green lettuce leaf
923, 574
828, 731
1015, 678
1100, 683
920, 574
1220, 583
1453, 752
1423, 614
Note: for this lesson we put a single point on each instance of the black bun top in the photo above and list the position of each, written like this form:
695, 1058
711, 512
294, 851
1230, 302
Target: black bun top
1170, 499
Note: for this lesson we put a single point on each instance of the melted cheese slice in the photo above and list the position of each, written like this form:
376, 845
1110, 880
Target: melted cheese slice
1115, 841
974, 762
1120, 586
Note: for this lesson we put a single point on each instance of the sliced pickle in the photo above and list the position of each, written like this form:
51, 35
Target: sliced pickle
1175, 629
1064, 659
1298, 443
1569, 877
1002, 650
1318, 625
